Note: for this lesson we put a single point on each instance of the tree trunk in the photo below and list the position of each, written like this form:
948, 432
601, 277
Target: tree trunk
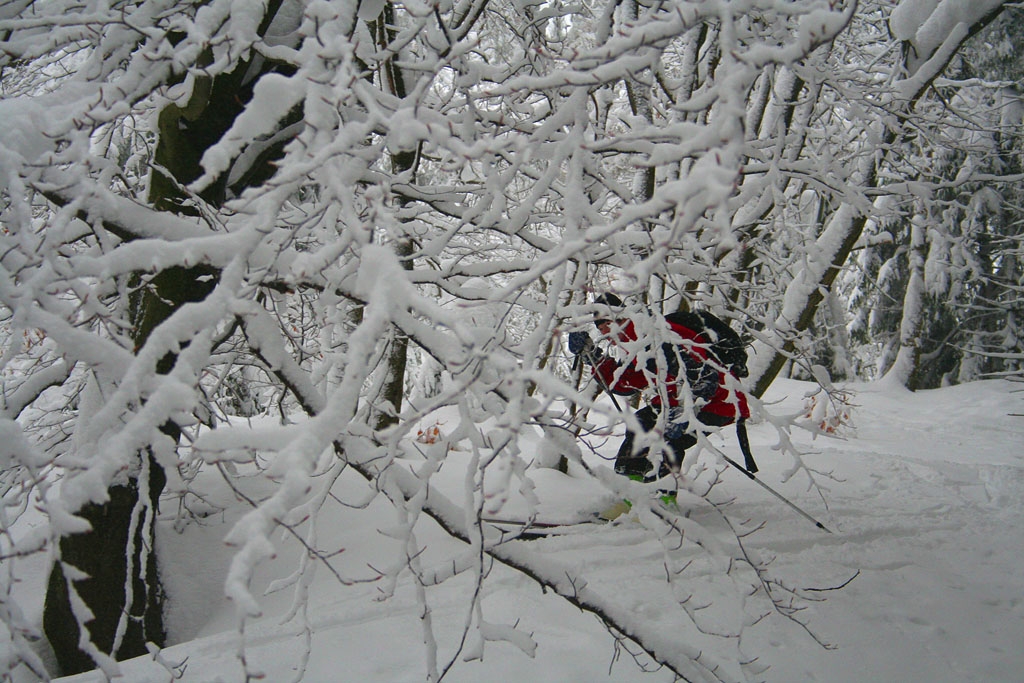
904, 369
107, 556
120, 550
806, 292
403, 164
393, 388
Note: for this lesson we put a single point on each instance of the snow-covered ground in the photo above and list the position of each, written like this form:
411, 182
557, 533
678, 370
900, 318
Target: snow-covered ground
925, 499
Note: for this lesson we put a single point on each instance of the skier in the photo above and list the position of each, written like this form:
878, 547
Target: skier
716, 401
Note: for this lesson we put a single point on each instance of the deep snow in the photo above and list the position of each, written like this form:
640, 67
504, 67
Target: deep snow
926, 503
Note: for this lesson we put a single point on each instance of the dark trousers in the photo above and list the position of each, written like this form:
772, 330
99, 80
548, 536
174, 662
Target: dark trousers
636, 464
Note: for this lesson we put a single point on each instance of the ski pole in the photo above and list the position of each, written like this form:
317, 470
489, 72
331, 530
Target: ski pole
600, 380
772, 491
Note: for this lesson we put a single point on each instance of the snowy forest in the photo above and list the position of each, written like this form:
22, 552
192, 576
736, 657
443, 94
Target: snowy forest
326, 241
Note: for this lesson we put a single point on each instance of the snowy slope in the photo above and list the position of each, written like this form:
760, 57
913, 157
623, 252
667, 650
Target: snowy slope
925, 498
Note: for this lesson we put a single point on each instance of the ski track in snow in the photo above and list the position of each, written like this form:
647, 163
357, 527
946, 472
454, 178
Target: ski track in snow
927, 506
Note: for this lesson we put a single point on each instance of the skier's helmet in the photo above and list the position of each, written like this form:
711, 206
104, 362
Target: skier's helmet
610, 308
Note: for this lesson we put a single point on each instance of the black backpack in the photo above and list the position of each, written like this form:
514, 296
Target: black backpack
726, 346
728, 349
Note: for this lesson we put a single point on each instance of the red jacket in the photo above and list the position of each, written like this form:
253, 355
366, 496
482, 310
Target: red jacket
724, 401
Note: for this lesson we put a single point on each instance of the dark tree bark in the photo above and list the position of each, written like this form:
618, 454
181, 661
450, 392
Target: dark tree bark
102, 555
121, 542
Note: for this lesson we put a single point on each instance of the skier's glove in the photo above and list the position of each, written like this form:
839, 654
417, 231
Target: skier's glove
580, 342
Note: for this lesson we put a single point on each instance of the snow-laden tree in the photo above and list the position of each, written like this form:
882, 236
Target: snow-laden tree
848, 121
236, 208
940, 274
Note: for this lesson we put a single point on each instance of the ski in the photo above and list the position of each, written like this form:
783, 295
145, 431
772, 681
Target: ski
525, 529
533, 528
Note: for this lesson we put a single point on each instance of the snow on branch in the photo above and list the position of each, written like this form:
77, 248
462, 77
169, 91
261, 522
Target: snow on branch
390, 217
